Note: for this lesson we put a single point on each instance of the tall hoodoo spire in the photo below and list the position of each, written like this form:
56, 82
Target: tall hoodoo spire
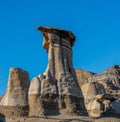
59, 79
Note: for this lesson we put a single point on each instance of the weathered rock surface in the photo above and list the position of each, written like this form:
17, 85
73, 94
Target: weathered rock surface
90, 90
35, 103
57, 88
15, 101
1, 97
102, 93
109, 78
82, 76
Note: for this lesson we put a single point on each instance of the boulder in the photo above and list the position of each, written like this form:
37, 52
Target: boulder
97, 109
94, 107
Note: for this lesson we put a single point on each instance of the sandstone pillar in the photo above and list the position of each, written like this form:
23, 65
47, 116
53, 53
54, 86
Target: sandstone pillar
58, 84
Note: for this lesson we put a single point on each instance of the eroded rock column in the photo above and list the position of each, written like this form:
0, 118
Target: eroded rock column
59, 88
15, 102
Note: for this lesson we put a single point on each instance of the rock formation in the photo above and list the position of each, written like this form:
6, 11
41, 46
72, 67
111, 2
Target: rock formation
106, 85
82, 76
90, 90
15, 101
109, 78
61, 89
57, 88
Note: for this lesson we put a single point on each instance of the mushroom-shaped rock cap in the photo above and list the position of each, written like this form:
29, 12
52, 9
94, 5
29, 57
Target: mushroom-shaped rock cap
62, 33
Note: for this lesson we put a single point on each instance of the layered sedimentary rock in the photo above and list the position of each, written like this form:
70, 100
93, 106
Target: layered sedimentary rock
102, 93
15, 101
57, 88
109, 78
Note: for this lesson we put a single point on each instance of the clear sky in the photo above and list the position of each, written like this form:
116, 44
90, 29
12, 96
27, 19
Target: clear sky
95, 23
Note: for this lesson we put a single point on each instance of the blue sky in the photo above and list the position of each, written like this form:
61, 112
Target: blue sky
95, 23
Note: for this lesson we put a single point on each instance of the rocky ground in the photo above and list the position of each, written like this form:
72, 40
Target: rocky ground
63, 118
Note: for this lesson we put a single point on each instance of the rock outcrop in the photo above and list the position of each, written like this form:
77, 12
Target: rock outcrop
57, 88
93, 106
109, 78
102, 92
15, 101
82, 76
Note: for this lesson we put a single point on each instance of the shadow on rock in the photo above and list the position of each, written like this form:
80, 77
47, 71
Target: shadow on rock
2, 118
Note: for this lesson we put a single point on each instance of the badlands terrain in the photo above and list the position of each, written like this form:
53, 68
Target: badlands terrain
61, 93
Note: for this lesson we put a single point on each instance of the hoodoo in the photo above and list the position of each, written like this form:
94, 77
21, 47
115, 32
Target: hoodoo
57, 88
61, 90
